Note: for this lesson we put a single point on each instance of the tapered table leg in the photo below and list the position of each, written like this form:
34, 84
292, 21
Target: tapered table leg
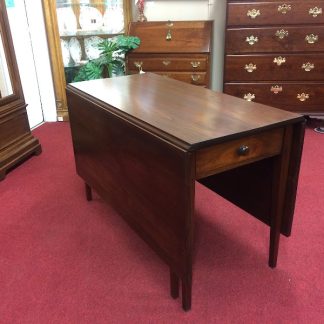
174, 284
280, 173
88, 192
274, 245
186, 293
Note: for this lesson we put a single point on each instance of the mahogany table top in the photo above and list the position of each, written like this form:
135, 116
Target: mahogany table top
189, 116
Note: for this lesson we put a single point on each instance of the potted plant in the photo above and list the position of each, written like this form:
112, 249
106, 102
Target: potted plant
111, 61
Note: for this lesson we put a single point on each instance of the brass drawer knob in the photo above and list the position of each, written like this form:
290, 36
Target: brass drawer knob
281, 34
311, 39
253, 13
303, 96
139, 66
252, 39
308, 66
315, 11
195, 77
279, 60
166, 63
195, 64
249, 96
276, 89
243, 150
250, 67
284, 8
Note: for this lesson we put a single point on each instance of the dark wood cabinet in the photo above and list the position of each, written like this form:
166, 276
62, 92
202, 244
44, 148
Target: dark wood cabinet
178, 49
16, 140
274, 53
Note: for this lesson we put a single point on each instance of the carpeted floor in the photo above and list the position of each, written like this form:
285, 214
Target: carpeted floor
66, 260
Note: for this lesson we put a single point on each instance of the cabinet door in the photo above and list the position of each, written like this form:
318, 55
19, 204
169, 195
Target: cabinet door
16, 140
74, 29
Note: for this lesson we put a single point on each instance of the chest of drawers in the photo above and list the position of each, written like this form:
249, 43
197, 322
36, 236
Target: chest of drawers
177, 49
274, 53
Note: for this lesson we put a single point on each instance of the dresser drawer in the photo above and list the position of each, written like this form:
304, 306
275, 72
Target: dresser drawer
225, 156
197, 78
289, 67
165, 62
275, 39
251, 13
299, 97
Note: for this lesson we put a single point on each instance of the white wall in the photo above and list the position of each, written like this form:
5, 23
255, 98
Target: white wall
215, 10
29, 38
176, 10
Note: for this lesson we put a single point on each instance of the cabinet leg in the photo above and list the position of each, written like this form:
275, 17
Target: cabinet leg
174, 284
88, 192
2, 175
38, 151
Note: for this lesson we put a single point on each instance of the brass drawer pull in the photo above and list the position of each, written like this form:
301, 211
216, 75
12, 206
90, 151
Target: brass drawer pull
195, 77
252, 40
166, 63
276, 89
250, 67
308, 66
139, 66
284, 8
279, 60
168, 36
249, 96
195, 64
311, 39
315, 11
243, 150
169, 24
281, 34
303, 96
253, 13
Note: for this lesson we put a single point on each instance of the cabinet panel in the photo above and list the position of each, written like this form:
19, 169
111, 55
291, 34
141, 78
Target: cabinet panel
172, 36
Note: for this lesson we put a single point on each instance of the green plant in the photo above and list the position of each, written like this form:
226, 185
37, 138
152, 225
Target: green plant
111, 60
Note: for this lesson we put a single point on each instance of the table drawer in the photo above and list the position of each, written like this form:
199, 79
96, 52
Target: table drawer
275, 12
280, 39
297, 97
231, 154
291, 67
168, 63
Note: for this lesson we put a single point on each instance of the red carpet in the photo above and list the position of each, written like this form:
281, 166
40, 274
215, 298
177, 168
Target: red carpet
66, 260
